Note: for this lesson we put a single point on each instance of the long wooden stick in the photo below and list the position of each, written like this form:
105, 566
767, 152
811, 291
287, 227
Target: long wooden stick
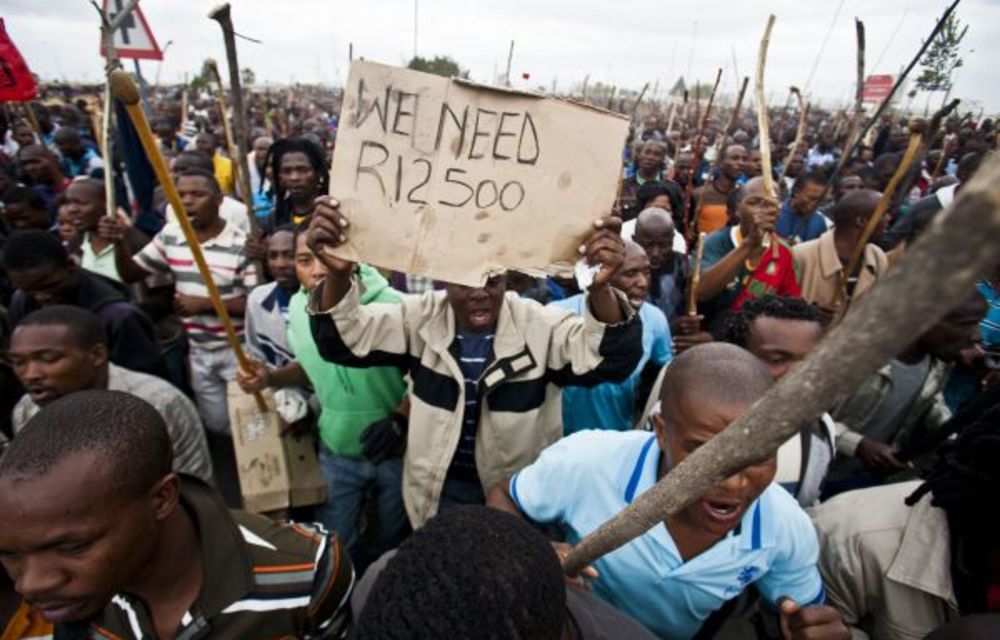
800, 132
933, 277
859, 90
873, 221
734, 118
695, 284
220, 98
698, 149
221, 14
763, 124
125, 90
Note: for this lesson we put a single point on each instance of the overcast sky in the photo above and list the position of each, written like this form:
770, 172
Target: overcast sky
619, 43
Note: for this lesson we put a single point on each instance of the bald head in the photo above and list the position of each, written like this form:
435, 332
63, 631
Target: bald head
712, 374
654, 221
856, 205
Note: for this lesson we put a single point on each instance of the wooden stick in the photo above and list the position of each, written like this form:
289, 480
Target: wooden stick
693, 286
799, 133
33, 121
763, 126
221, 100
221, 14
733, 119
638, 101
125, 90
698, 149
859, 91
933, 277
184, 106
677, 147
880, 210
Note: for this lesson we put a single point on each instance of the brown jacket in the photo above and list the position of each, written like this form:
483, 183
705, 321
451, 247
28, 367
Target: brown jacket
821, 268
886, 566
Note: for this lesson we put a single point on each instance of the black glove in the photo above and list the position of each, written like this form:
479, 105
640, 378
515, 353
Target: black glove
385, 438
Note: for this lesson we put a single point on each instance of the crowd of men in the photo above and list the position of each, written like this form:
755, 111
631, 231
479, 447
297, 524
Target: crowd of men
469, 437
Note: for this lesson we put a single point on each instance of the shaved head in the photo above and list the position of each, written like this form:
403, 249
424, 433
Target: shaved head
712, 374
654, 221
859, 203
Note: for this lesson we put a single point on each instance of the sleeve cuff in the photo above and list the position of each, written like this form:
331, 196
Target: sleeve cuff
847, 440
628, 312
350, 299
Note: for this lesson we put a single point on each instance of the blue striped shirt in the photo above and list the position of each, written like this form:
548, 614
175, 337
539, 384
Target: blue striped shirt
475, 351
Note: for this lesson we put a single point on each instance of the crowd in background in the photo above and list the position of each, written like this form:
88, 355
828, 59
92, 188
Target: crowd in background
469, 437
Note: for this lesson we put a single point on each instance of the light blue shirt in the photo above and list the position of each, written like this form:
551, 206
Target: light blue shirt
586, 478
611, 405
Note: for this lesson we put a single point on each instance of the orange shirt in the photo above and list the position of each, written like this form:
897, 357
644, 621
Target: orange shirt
27, 624
712, 217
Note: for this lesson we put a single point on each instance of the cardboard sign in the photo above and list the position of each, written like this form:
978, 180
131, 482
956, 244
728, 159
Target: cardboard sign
16, 81
451, 180
275, 472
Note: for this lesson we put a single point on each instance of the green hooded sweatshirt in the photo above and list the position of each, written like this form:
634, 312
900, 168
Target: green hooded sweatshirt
350, 398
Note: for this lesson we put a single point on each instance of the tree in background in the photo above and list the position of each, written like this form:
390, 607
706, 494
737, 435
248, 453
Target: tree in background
440, 65
941, 60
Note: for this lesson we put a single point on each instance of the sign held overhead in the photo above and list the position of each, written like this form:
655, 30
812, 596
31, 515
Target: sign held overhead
452, 180
134, 38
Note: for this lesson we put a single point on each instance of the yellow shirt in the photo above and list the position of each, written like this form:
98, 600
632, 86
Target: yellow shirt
223, 168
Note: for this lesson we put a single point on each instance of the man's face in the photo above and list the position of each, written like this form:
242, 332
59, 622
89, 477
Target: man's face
22, 216
205, 143
69, 147
281, 260
849, 184
794, 166
308, 269
477, 308
37, 163
650, 158
47, 284
49, 363
85, 205
298, 176
755, 205
24, 136
684, 426
806, 199
684, 166
657, 242
79, 538
782, 344
754, 164
734, 161
260, 148
200, 200
633, 277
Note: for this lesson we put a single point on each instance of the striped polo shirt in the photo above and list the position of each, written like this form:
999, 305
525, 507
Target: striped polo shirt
262, 579
168, 256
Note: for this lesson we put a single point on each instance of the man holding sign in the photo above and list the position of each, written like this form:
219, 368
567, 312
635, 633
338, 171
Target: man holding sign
486, 367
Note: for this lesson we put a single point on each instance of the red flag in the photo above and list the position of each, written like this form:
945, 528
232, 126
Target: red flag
16, 82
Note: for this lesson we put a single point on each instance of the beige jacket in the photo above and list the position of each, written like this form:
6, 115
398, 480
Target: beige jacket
886, 566
820, 269
537, 351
